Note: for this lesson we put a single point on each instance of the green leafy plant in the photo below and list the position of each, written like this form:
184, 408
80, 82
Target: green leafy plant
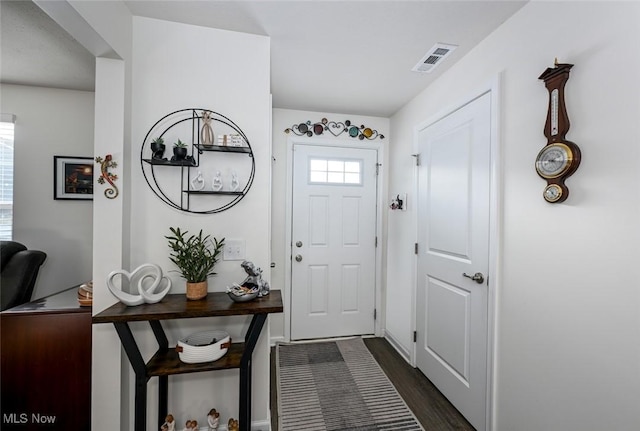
195, 256
158, 141
180, 144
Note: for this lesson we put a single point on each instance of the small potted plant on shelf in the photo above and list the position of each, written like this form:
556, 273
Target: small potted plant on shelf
157, 148
195, 256
179, 151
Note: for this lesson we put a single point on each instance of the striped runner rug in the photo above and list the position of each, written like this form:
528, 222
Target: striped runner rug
337, 385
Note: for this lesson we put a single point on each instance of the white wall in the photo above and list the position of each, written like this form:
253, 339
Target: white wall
108, 395
280, 252
568, 304
51, 122
178, 66
401, 237
104, 29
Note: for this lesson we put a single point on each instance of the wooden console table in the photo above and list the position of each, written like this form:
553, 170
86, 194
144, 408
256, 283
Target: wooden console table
166, 362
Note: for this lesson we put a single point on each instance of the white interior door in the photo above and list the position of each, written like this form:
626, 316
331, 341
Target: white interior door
333, 241
453, 240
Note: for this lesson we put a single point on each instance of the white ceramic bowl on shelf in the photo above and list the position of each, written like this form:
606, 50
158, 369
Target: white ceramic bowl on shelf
204, 346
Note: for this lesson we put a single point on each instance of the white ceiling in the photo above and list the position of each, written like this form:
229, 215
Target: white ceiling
351, 57
37, 51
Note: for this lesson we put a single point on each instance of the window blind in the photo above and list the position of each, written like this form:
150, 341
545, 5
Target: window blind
7, 122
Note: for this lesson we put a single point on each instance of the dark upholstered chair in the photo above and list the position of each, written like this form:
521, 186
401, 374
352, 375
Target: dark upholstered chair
18, 273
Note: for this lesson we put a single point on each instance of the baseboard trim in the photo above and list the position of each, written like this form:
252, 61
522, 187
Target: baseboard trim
261, 425
406, 355
274, 340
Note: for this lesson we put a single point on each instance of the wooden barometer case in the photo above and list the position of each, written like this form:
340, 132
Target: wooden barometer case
560, 158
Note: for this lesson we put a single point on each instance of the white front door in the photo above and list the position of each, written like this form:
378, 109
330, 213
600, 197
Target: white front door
333, 241
453, 245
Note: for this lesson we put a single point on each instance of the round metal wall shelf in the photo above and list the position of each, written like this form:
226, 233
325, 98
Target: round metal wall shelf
229, 144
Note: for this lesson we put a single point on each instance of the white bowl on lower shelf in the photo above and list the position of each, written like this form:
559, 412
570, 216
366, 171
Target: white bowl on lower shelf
204, 346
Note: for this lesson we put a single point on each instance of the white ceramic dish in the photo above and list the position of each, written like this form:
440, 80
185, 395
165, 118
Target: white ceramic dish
241, 294
204, 346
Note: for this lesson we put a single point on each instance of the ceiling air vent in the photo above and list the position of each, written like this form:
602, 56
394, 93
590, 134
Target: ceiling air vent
434, 57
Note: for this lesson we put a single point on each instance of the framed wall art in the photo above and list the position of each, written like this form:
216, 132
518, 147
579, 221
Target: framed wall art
72, 178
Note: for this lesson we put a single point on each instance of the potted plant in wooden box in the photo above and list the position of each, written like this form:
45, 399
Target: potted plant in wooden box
195, 256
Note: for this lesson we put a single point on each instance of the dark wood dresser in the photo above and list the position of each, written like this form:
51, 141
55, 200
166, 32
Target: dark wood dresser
46, 364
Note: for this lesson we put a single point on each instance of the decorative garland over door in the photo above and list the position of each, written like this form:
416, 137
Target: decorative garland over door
336, 128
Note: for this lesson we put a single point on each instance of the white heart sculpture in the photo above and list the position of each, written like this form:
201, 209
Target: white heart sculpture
147, 295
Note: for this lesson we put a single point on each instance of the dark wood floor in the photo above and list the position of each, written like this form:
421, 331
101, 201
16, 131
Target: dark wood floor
432, 409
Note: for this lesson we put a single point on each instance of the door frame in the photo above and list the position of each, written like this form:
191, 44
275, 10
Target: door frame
328, 142
495, 230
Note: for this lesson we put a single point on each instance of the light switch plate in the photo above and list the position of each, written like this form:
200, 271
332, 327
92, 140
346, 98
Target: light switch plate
234, 249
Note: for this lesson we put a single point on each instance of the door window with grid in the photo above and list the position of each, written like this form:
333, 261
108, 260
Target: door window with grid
335, 171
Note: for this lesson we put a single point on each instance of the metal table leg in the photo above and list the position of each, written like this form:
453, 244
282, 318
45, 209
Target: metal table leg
253, 333
140, 369
163, 381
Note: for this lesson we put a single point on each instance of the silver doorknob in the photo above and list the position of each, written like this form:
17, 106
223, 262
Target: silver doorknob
477, 277
298, 258
299, 244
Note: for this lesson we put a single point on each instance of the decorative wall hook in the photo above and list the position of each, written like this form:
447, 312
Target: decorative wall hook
106, 176
399, 203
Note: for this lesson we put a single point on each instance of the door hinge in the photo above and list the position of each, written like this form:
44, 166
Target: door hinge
417, 156
415, 336
376, 241
378, 168
375, 314
415, 248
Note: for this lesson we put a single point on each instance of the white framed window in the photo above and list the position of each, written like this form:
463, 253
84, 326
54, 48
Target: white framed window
335, 171
7, 122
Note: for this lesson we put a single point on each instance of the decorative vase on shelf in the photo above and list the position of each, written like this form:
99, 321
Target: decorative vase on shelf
196, 291
206, 134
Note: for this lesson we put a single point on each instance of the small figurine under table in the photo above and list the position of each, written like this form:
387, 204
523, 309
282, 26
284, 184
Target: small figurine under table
169, 423
213, 419
233, 425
